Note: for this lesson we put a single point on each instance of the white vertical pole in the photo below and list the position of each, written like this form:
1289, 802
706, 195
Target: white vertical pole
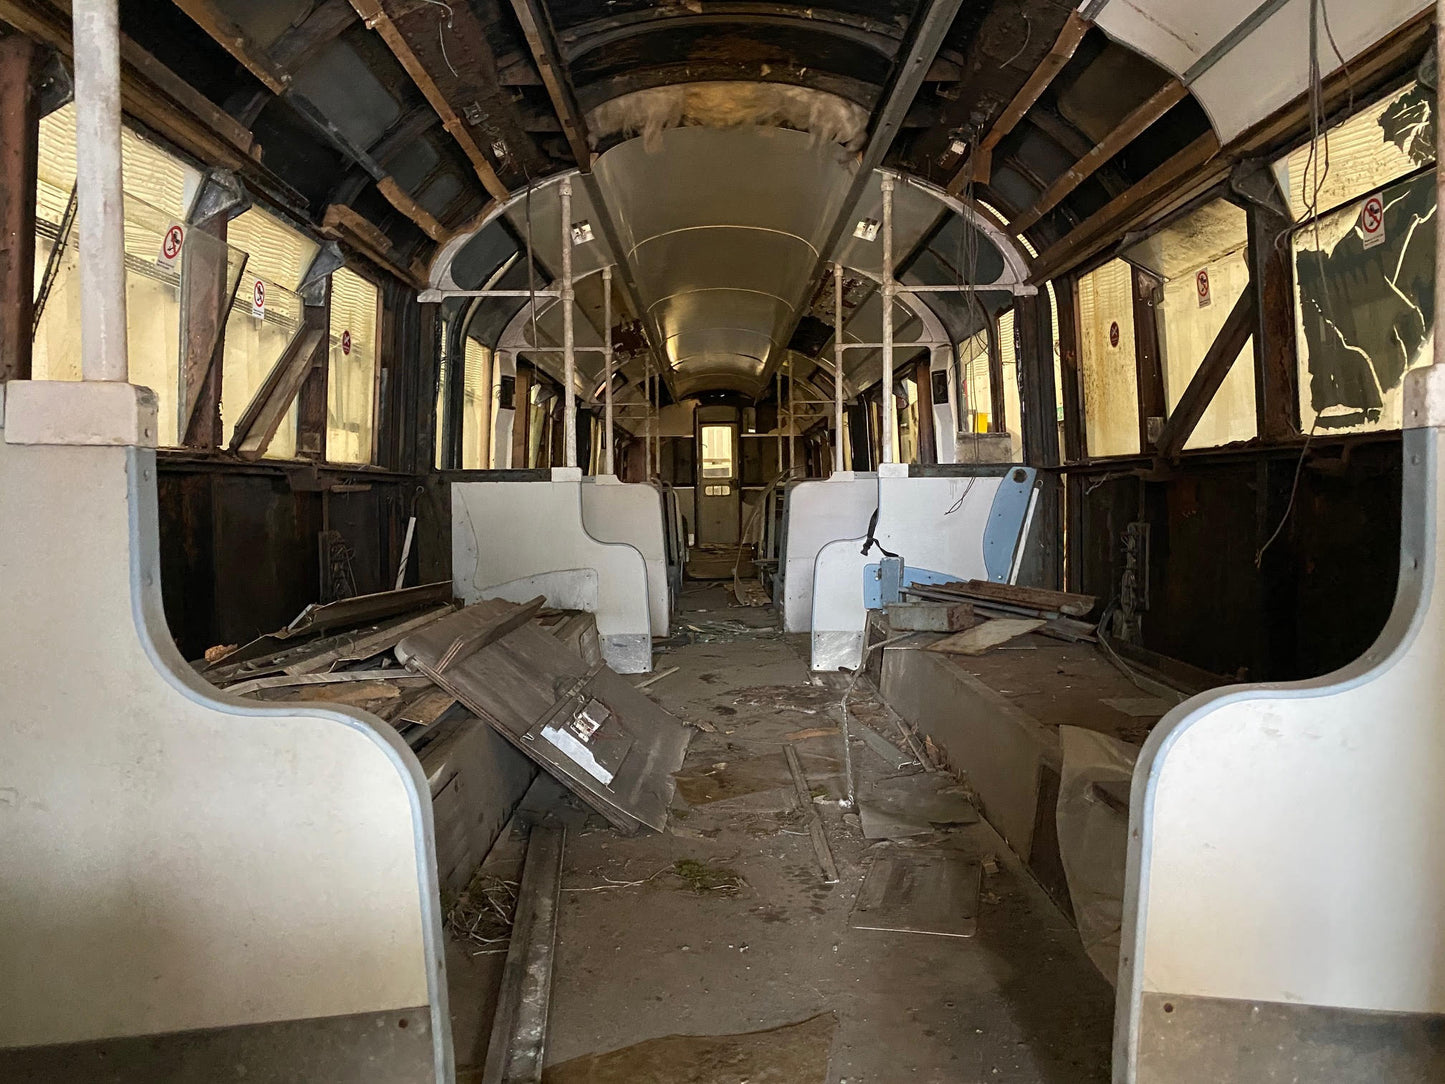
890, 288
569, 352
792, 416
99, 198
608, 466
647, 433
779, 413
838, 364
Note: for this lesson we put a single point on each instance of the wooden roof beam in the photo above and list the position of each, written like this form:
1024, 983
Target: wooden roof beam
377, 19
542, 41
1127, 130
229, 37
979, 163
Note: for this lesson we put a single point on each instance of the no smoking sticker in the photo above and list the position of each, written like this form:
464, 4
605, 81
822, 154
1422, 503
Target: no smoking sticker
1114, 333
1201, 287
346, 343
1372, 221
258, 300
171, 246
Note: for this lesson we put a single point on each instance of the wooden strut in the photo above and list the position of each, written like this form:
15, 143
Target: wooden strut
1209, 377
377, 19
979, 163
1127, 130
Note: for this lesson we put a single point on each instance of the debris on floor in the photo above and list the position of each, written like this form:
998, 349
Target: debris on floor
1058, 611
913, 805
608, 742
989, 634
791, 1054
927, 892
931, 616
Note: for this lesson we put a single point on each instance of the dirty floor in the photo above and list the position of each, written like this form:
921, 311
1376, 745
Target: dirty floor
723, 926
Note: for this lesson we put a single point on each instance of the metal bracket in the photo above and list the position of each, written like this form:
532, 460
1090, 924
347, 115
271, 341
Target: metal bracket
1254, 182
318, 276
55, 86
220, 198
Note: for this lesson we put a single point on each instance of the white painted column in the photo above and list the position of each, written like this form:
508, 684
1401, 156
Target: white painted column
608, 464
99, 196
569, 351
890, 289
838, 365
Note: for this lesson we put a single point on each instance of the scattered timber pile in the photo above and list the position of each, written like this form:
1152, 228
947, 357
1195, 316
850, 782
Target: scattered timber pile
979, 615
470, 688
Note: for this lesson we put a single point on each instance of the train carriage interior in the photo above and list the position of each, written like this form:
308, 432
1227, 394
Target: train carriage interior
698, 542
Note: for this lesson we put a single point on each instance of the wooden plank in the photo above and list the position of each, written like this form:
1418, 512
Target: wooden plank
1177, 180
1207, 379
402, 201
229, 37
355, 647
1276, 369
1042, 599
377, 19
979, 163
517, 1046
816, 835
990, 634
1125, 132
537, 29
284, 681
425, 708
267, 409
1148, 369
469, 643
20, 60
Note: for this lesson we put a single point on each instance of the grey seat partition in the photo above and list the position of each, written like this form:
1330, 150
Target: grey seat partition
1285, 909
195, 887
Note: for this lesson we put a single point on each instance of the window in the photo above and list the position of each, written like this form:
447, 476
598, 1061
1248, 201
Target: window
1106, 357
717, 451
478, 389
1202, 261
158, 188
256, 336
905, 401
351, 377
1009, 370
976, 394
1364, 264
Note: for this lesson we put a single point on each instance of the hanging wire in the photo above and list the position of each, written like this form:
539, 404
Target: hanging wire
443, 26
1312, 182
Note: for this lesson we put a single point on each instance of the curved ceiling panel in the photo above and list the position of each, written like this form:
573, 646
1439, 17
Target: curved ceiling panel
723, 228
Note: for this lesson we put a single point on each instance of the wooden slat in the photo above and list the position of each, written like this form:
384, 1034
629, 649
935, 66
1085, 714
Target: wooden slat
268, 407
377, 19
402, 201
1176, 180
542, 43
979, 163
1208, 378
1042, 599
474, 640
990, 634
20, 60
229, 37
1127, 130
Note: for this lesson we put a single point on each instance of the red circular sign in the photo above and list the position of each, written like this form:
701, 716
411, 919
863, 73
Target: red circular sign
1114, 333
1201, 283
171, 246
346, 343
258, 295
1373, 215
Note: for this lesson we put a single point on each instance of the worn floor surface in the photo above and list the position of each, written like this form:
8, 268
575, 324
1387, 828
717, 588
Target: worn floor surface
745, 937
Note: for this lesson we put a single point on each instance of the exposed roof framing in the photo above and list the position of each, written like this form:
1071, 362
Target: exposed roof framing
1160, 102
979, 162
230, 38
537, 28
376, 18
921, 45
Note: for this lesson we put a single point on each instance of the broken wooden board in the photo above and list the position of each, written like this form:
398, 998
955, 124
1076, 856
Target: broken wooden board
528, 680
912, 805
927, 892
795, 1053
931, 616
1040, 599
990, 634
